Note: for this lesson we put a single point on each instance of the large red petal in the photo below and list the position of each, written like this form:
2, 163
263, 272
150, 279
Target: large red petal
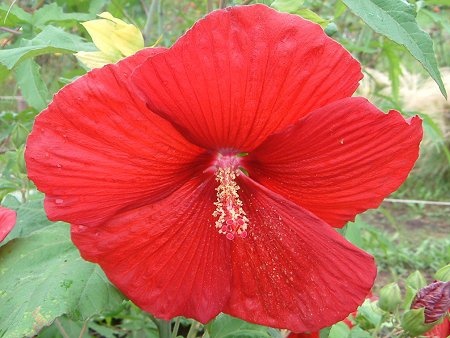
97, 148
167, 257
7, 222
294, 271
244, 72
339, 160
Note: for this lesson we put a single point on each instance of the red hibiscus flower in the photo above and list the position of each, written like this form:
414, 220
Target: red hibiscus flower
204, 178
7, 221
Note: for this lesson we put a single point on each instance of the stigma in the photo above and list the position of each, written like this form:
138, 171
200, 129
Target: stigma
231, 220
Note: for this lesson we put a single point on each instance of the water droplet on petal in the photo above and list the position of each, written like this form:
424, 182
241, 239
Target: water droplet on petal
59, 201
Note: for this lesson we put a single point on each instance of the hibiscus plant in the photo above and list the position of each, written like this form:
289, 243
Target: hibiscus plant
198, 187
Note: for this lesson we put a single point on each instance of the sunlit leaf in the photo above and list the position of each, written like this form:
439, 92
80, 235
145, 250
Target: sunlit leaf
397, 21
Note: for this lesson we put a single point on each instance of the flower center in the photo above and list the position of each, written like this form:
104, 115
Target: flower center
231, 220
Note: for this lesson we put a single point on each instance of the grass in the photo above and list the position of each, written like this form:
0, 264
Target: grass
406, 238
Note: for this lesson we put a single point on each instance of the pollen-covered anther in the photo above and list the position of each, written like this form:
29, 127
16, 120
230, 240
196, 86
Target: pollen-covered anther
231, 220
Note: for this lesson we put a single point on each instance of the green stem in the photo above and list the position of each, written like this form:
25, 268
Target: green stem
149, 23
176, 327
192, 330
61, 328
163, 326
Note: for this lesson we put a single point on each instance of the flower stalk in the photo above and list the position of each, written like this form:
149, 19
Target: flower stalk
164, 327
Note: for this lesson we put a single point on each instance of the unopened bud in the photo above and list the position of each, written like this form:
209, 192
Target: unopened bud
390, 297
435, 299
443, 274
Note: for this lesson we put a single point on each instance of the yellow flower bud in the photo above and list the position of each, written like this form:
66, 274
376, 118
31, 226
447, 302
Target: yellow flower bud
113, 37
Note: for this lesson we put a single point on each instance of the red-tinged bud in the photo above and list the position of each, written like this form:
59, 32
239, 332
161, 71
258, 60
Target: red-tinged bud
435, 298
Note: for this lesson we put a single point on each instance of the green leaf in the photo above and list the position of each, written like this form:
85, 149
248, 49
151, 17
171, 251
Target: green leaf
397, 21
29, 79
72, 328
30, 217
311, 16
295, 7
43, 277
288, 6
339, 9
12, 16
357, 332
352, 231
53, 13
369, 315
225, 326
339, 330
50, 40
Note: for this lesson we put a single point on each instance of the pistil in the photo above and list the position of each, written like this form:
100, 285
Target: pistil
231, 220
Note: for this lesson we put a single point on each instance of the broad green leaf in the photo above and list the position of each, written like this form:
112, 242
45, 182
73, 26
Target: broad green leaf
339, 330
43, 277
225, 326
357, 332
12, 16
50, 40
30, 217
29, 79
53, 13
397, 21
352, 231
